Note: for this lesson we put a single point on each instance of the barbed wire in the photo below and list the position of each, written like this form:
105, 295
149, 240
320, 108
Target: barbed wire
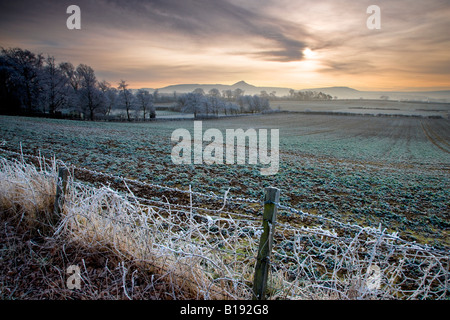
141, 183
225, 198
307, 260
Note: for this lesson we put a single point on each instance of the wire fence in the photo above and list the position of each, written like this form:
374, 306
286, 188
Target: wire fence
210, 247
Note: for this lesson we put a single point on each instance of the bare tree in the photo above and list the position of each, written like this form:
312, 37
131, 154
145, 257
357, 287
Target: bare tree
237, 93
228, 94
69, 71
25, 75
145, 102
292, 93
88, 93
193, 103
156, 95
56, 86
214, 103
214, 93
199, 91
264, 94
126, 96
109, 97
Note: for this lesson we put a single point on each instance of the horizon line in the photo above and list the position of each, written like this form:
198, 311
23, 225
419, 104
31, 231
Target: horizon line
406, 90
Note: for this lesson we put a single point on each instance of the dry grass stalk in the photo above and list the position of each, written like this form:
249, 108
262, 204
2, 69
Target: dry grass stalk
185, 254
102, 220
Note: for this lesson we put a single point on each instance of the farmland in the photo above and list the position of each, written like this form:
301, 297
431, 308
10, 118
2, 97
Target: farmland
369, 107
392, 171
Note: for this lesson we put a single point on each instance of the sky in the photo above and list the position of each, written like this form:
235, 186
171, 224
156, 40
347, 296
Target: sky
297, 44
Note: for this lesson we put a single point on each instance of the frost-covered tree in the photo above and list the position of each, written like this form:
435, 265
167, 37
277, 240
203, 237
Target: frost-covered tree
230, 108
195, 103
145, 102
156, 95
291, 93
199, 91
89, 95
263, 104
309, 95
253, 104
69, 71
214, 92
56, 87
264, 94
227, 94
71, 74
112, 97
237, 93
126, 97
109, 97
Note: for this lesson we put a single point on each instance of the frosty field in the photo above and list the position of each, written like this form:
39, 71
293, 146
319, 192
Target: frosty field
369, 107
392, 171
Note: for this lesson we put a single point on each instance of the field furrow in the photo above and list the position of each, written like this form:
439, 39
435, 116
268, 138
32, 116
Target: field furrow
365, 170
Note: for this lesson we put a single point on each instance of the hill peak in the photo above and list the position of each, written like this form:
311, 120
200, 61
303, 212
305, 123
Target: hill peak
242, 83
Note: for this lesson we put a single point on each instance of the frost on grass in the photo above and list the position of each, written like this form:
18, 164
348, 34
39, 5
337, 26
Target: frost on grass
28, 192
210, 254
196, 259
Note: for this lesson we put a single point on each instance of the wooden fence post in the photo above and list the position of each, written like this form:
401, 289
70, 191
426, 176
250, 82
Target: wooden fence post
272, 197
61, 185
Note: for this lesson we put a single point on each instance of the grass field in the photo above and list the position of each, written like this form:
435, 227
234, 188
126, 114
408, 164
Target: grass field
392, 171
368, 107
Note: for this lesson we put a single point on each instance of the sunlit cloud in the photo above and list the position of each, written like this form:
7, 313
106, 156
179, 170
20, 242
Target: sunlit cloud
296, 44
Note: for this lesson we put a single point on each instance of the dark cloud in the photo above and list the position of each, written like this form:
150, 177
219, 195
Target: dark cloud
204, 22
156, 38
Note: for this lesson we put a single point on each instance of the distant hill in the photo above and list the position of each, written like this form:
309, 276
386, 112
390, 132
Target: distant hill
339, 92
248, 88
243, 86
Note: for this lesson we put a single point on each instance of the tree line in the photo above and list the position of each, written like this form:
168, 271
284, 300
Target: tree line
214, 102
31, 84
308, 95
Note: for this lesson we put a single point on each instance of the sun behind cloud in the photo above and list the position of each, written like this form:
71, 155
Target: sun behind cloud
279, 43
